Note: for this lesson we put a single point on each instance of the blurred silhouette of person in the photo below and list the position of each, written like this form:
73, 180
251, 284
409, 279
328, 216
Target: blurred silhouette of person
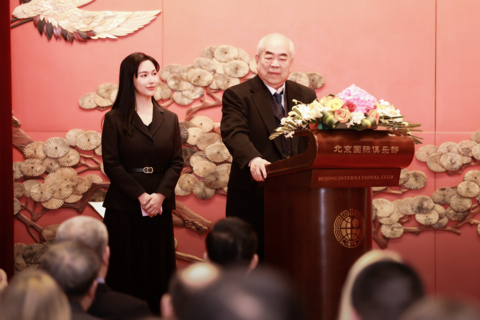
108, 303
232, 242
346, 311
441, 309
384, 290
75, 268
185, 287
34, 295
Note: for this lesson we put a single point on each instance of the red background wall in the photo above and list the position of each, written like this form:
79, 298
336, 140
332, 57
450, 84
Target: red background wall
422, 56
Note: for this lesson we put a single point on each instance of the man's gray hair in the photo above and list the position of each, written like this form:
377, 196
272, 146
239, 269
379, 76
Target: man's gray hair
86, 230
73, 265
261, 43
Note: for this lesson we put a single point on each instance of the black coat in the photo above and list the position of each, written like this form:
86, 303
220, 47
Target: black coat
78, 313
247, 122
112, 305
143, 148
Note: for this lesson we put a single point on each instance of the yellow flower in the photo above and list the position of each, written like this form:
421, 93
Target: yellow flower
335, 104
324, 100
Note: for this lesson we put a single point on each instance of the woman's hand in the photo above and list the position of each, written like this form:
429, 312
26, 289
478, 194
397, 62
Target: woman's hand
144, 198
154, 205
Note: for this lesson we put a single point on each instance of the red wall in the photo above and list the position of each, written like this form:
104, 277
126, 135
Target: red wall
422, 56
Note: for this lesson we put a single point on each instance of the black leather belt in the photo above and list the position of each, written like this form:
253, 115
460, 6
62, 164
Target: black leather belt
146, 170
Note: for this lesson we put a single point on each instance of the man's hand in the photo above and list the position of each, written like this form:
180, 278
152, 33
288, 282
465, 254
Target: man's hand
257, 169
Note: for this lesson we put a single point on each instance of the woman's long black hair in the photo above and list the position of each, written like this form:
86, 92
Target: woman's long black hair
125, 101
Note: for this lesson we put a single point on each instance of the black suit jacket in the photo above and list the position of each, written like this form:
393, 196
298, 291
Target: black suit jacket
248, 121
78, 313
159, 147
112, 305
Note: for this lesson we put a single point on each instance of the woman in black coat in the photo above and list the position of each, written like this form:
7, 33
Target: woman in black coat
142, 157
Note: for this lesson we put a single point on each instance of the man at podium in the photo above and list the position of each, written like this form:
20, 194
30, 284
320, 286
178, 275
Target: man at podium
251, 111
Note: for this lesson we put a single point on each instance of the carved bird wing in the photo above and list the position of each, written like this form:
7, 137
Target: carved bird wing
62, 18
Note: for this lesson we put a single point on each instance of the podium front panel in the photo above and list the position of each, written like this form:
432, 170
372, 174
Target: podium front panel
314, 235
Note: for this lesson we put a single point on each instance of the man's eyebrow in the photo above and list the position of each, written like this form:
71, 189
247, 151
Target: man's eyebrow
282, 54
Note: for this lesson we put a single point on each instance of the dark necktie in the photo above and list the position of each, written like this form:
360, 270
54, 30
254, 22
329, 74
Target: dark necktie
279, 114
278, 97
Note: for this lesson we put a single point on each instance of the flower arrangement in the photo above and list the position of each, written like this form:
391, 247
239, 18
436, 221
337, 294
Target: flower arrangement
353, 107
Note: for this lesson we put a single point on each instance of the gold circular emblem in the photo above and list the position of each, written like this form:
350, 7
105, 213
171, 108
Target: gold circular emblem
349, 228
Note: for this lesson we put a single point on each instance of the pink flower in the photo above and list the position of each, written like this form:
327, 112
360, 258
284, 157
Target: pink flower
374, 114
362, 99
350, 106
342, 115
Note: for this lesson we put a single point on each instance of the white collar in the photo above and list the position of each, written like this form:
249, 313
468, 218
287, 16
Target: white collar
272, 90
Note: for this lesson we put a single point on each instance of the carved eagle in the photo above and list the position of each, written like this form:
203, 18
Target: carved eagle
63, 18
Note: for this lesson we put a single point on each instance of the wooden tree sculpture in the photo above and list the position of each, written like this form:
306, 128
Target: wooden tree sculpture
217, 69
446, 204
51, 176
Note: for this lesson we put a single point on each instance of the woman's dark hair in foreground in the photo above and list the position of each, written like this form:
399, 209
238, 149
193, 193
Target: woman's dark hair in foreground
125, 101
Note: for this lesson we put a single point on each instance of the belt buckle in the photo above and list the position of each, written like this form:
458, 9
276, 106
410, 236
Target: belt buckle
148, 170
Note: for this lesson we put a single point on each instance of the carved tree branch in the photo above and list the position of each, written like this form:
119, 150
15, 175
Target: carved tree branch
378, 236
79, 206
419, 229
192, 220
30, 224
167, 104
460, 170
390, 190
177, 222
473, 211
204, 105
20, 139
88, 166
187, 257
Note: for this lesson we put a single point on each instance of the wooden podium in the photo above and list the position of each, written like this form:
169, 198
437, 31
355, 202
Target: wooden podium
318, 208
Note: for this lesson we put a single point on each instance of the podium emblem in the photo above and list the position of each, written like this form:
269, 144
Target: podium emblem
349, 228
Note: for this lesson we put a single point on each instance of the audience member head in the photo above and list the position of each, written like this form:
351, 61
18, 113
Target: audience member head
91, 233
75, 267
3, 280
185, 286
263, 295
346, 311
232, 243
34, 295
441, 309
384, 290
274, 58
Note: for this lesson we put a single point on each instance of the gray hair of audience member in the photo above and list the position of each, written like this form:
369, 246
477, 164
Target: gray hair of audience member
232, 242
345, 309
87, 230
384, 290
73, 265
264, 295
190, 282
441, 309
34, 295
261, 43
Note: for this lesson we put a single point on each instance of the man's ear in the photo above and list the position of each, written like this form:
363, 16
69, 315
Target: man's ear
106, 256
257, 57
253, 263
205, 257
93, 289
166, 306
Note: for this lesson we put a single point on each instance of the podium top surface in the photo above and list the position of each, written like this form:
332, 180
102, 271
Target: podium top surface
349, 149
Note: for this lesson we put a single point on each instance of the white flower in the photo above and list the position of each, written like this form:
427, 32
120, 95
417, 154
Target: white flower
357, 117
282, 122
289, 134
